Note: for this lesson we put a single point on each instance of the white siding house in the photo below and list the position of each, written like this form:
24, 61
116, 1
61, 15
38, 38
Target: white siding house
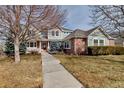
49, 39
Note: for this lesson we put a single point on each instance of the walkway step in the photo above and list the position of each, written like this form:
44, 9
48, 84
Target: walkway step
55, 75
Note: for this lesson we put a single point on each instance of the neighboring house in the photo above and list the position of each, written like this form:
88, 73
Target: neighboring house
119, 42
80, 39
73, 42
119, 35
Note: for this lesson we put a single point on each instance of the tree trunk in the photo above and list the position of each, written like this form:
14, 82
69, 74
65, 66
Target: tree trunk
17, 54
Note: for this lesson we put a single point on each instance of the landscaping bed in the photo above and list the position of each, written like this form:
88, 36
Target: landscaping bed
95, 71
27, 74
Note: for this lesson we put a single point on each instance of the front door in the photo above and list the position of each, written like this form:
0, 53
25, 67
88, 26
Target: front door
44, 45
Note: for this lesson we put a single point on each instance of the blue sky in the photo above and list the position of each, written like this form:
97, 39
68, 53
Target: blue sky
78, 17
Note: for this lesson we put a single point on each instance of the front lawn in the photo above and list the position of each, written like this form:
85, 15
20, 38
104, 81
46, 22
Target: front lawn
96, 71
28, 73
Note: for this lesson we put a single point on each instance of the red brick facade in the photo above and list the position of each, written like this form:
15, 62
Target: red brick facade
78, 46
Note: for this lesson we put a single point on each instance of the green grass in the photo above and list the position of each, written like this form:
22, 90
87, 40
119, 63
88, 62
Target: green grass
96, 71
26, 74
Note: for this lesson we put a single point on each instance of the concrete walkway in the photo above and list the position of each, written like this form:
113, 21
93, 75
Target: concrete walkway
55, 75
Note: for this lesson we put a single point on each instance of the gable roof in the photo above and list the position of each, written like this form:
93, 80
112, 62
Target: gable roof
78, 33
101, 29
65, 29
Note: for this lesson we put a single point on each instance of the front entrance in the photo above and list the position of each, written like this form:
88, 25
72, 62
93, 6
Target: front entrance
44, 45
51, 45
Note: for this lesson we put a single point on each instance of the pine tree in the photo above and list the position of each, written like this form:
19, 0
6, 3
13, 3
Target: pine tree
9, 47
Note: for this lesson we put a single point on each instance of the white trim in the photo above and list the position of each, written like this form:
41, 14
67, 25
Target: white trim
103, 41
40, 46
102, 31
69, 43
33, 44
57, 32
94, 40
48, 46
99, 41
53, 33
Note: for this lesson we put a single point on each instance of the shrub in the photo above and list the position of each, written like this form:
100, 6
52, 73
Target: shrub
34, 52
105, 50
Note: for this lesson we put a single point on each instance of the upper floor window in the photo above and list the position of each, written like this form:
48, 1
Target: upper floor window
31, 33
27, 44
53, 33
44, 34
57, 33
66, 32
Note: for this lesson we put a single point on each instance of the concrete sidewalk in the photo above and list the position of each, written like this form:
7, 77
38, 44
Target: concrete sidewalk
55, 75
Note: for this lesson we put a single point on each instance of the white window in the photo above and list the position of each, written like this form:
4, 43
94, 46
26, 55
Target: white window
95, 42
34, 44
44, 34
67, 45
53, 33
65, 32
27, 44
31, 44
57, 33
99, 42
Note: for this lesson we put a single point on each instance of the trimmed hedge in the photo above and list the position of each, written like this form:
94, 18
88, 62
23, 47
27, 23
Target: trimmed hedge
105, 50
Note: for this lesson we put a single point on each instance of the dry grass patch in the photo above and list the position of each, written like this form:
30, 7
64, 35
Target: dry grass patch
96, 71
28, 73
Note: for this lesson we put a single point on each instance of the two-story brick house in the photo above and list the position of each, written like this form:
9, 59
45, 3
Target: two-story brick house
74, 42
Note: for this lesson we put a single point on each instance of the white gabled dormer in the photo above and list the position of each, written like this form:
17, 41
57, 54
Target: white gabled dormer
58, 33
98, 37
54, 34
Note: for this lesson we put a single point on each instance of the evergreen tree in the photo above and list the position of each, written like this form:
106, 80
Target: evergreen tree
9, 47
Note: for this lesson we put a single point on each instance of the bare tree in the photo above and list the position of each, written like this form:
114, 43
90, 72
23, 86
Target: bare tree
111, 17
18, 21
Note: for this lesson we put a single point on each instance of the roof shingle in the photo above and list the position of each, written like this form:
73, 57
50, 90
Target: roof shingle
78, 33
